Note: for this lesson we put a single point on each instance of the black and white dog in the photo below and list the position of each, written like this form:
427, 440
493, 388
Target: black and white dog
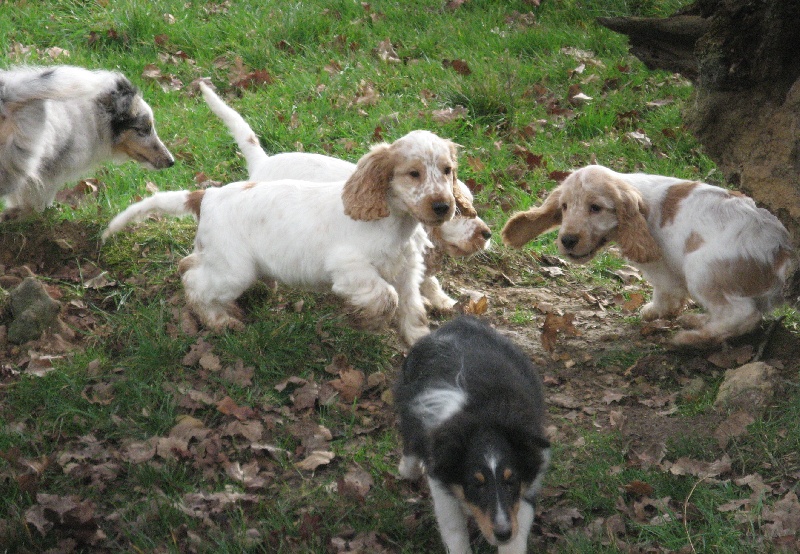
58, 122
471, 415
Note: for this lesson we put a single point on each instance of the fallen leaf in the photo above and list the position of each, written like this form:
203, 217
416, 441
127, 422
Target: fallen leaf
459, 66
553, 324
386, 52
356, 483
639, 488
734, 426
697, 468
349, 384
314, 460
227, 406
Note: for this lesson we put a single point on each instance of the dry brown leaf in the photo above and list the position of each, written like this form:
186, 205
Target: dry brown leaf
784, 516
459, 66
100, 393
639, 488
734, 426
227, 406
633, 303
386, 52
356, 483
448, 115
315, 459
349, 384
697, 468
553, 324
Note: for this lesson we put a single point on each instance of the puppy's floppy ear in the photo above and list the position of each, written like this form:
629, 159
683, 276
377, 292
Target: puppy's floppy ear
528, 444
523, 227
364, 193
633, 234
463, 204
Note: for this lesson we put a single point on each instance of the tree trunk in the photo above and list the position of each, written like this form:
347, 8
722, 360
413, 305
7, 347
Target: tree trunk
743, 57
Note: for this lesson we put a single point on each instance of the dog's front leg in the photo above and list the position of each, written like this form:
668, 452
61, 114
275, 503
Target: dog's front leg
412, 321
450, 518
432, 291
669, 292
519, 545
374, 300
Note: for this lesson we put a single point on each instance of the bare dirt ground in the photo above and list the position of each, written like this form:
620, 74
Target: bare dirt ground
602, 368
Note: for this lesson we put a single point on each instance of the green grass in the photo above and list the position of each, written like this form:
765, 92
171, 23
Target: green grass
320, 56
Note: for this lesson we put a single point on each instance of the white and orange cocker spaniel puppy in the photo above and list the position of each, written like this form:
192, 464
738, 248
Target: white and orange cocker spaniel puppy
689, 239
353, 237
463, 235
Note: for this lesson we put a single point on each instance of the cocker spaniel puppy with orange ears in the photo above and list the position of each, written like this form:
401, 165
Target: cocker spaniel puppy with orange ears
463, 235
689, 239
354, 237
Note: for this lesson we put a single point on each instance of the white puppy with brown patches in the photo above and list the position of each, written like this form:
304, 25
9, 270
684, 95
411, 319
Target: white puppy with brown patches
463, 235
690, 239
353, 237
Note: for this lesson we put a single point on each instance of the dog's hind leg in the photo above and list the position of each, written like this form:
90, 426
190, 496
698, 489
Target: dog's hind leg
734, 318
211, 292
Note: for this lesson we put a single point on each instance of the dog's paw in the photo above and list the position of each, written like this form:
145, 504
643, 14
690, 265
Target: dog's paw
694, 339
410, 467
652, 311
412, 335
693, 321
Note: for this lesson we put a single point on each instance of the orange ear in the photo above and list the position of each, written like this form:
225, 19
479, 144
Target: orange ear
633, 234
464, 205
364, 193
523, 227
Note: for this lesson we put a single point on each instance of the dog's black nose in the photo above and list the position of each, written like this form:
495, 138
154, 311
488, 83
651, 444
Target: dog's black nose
502, 535
487, 235
440, 208
569, 241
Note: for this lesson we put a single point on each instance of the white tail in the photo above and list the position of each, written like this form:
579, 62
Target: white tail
171, 203
238, 127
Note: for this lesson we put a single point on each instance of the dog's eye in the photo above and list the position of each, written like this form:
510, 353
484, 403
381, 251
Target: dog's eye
414, 173
594, 208
144, 131
448, 170
564, 207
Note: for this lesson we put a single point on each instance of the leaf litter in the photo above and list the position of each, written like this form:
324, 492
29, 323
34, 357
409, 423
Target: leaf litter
573, 335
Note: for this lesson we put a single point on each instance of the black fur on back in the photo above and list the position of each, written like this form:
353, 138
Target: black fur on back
504, 402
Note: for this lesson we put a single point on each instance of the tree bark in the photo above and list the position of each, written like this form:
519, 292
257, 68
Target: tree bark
743, 57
